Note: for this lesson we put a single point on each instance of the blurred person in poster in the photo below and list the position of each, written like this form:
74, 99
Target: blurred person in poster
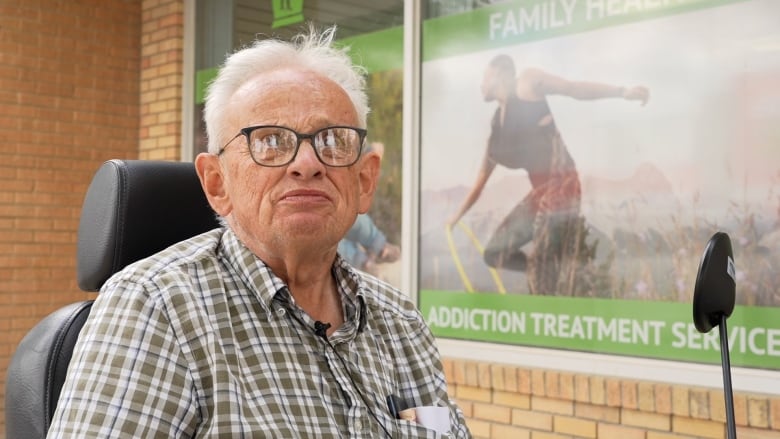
365, 246
523, 135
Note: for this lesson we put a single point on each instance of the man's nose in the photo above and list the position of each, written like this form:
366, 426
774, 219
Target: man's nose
306, 162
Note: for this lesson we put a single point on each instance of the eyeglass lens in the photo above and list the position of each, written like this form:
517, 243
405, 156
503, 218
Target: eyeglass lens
277, 146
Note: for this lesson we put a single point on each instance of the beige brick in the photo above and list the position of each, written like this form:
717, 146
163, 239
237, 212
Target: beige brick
566, 386
653, 421
614, 393
512, 400
755, 433
159, 107
741, 409
475, 394
680, 402
484, 379
492, 413
598, 390
581, 388
758, 412
510, 379
508, 431
646, 397
717, 406
597, 412
459, 372
698, 427
573, 426
663, 399
609, 431
628, 394
548, 405
699, 403
537, 382
532, 419
154, 153
497, 377
774, 409
552, 384
659, 435
545, 435
524, 381
479, 429
472, 374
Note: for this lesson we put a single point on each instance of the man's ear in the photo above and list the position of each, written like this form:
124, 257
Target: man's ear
212, 180
368, 175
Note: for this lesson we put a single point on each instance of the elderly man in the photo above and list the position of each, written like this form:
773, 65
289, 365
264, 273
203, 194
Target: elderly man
259, 328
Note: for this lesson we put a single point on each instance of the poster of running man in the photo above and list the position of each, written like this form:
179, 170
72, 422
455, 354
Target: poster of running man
575, 158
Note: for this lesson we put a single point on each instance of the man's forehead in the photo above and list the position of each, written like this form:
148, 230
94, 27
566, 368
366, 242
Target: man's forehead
286, 80
273, 95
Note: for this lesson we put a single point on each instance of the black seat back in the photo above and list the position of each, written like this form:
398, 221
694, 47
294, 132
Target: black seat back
132, 210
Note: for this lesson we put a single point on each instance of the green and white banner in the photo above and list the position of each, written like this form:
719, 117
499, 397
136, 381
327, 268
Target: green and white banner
575, 158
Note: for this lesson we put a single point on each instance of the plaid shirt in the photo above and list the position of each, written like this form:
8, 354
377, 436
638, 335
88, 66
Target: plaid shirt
203, 340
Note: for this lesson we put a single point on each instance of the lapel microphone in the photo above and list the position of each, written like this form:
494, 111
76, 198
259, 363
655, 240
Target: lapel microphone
320, 329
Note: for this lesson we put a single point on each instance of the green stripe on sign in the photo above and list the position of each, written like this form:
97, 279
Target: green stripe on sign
519, 22
376, 52
202, 80
662, 330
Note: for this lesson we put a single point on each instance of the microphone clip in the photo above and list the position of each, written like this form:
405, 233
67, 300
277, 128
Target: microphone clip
321, 328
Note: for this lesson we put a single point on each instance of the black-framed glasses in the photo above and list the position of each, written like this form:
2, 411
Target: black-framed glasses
273, 146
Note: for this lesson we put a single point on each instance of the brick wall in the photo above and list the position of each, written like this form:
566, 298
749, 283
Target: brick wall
69, 84
162, 41
503, 401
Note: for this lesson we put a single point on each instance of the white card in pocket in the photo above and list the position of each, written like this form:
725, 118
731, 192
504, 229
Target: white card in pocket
434, 418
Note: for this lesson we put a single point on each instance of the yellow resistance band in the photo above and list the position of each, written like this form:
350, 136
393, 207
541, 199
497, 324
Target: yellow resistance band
459, 265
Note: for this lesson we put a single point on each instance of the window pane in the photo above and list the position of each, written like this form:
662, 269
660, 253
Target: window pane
374, 31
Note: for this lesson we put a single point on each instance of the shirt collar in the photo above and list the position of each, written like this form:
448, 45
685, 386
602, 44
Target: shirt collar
252, 271
265, 285
352, 290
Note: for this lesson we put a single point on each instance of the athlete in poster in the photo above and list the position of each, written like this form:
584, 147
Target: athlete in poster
523, 135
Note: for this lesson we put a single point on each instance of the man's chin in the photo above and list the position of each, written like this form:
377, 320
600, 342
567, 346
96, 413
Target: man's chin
307, 226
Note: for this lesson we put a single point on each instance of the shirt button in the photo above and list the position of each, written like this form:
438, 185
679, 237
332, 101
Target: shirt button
280, 312
358, 426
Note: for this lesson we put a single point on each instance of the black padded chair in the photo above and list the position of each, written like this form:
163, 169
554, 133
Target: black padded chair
132, 209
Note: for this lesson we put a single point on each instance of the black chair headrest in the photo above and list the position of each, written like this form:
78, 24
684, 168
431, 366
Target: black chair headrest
133, 209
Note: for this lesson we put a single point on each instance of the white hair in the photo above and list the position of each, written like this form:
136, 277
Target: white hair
313, 51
